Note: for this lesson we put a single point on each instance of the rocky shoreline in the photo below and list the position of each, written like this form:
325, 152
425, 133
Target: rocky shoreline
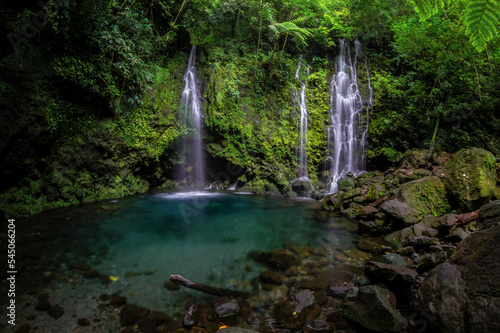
435, 271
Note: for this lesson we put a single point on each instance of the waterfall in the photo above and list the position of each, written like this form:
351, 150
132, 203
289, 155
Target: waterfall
301, 99
348, 118
191, 117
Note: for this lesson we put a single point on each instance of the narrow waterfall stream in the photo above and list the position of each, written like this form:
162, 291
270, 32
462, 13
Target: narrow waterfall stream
301, 99
348, 118
190, 112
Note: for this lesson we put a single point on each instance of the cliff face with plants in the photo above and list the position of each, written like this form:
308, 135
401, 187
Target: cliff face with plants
90, 91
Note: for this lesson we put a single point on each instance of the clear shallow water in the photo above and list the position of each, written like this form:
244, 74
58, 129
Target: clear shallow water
205, 236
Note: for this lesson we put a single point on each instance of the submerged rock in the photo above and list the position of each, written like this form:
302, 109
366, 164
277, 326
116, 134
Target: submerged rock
470, 178
131, 313
373, 307
295, 310
231, 312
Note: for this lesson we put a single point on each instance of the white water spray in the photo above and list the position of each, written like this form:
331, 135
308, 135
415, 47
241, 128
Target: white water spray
348, 118
301, 98
191, 116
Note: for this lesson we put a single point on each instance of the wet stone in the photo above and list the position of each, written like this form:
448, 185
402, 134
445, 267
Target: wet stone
56, 311
197, 315
293, 311
272, 277
83, 322
169, 285
131, 313
91, 273
43, 303
317, 326
231, 312
24, 328
116, 300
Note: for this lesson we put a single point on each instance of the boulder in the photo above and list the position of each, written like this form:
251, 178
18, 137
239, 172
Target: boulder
416, 199
272, 277
489, 214
462, 294
392, 275
430, 260
373, 307
375, 192
231, 312
470, 178
197, 315
333, 201
302, 187
131, 314
283, 259
353, 193
295, 310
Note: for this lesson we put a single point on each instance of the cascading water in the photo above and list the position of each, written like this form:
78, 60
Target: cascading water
348, 118
301, 98
192, 168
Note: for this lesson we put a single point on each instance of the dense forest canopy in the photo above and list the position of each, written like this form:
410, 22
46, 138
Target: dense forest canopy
70, 68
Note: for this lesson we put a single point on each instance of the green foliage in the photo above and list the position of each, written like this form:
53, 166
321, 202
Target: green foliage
481, 18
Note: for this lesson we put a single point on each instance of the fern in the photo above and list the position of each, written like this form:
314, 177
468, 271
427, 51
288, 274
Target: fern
481, 18
427, 8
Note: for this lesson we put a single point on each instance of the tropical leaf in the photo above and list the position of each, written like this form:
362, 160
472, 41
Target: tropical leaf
481, 18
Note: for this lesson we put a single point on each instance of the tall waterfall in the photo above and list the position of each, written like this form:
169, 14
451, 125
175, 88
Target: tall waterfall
348, 118
301, 98
190, 113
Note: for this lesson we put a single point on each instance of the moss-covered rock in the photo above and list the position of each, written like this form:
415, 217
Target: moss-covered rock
470, 178
416, 199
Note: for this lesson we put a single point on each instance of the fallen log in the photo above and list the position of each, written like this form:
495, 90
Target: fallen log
467, 218
208, 289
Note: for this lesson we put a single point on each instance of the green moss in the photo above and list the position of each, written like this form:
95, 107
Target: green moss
426, 196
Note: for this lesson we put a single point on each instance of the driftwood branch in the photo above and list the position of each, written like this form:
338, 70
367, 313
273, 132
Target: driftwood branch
208, 289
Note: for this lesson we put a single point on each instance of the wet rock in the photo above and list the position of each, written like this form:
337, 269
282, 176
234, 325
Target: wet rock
457, 236
83, 322
293, 311
169, 285
302, 251
375, 192
272, 277
236, 330
333, 201
345, 183
392, 275
42, 302
430, 232
231, 312
302, 187
56, 311
197, 315
422, 241
317, 326
415, 158
282, 259
489, 214
24, 328
445, 223
470, 178
321, 296
366, 211
443, 296
91, 273
116, 300
430, 260
131, 314
355, 192
416, 199
373, 307
391, 259
329, 276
